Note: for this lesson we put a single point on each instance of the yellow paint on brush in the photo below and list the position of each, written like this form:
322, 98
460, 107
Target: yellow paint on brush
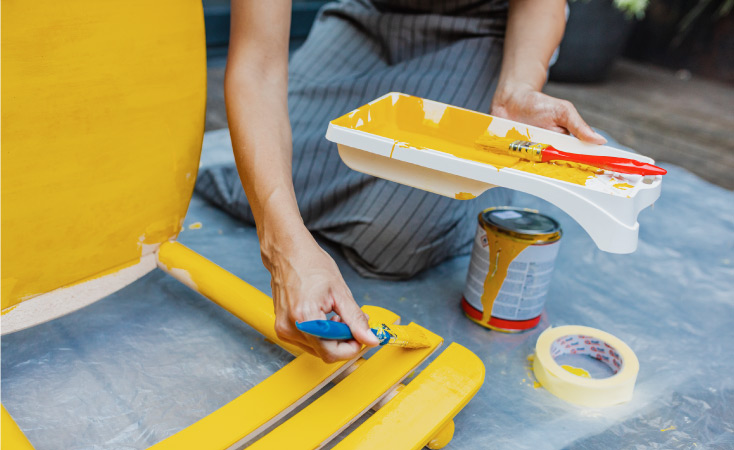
578, 371
450, 130
464, 196
408, 336
501, 146
102, 130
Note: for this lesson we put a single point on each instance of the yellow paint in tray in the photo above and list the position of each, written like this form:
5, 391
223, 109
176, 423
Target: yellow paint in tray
407, 122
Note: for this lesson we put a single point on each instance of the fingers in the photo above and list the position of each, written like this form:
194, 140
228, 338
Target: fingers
332, 350
568, 117
286, 331
350, 314
328, 350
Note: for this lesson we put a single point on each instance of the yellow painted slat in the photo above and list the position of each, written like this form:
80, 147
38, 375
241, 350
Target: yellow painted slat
11, 437
239, 420
272, 398
223, 288
428, 402
315, 424
103, 109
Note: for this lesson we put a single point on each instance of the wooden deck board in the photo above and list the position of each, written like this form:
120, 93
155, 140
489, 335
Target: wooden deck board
689, 123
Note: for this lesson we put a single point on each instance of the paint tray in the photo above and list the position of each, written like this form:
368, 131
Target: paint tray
414, 141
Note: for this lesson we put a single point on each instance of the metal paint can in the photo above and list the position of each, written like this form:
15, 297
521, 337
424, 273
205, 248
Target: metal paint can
510, 270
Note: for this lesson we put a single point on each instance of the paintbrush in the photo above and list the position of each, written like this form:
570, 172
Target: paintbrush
408, 336
535, 151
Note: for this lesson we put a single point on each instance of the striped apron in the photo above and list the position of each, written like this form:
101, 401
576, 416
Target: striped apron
357, 51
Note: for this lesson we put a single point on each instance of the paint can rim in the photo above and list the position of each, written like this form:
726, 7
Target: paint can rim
549, 235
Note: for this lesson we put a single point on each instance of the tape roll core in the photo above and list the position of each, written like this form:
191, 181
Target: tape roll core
610, 350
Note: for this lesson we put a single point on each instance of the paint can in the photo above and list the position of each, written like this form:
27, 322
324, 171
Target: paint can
510, 269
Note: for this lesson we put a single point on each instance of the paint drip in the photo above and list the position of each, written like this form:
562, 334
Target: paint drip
510, 269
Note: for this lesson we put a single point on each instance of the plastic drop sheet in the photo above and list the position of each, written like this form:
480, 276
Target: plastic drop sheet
145, 362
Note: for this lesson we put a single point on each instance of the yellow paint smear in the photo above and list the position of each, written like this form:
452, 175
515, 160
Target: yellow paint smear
578, 371
7, 310
670, 428
502, 251
195, 226
623, 186
536, 385
464, 196
407, 119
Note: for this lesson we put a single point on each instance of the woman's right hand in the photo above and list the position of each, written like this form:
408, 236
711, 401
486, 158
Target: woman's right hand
306, 282
307, 285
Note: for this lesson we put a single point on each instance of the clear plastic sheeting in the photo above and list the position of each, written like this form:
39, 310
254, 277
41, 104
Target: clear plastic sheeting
135, 367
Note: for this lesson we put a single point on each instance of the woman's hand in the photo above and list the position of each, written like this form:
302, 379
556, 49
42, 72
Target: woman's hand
526, 105
534, 30
306, 282
307, 285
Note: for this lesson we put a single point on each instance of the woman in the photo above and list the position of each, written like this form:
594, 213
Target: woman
481, 55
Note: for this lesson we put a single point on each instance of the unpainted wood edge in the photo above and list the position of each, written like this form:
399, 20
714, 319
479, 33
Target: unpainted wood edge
65, 300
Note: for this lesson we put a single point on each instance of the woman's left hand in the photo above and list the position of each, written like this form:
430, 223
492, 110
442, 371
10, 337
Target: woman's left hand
526, 105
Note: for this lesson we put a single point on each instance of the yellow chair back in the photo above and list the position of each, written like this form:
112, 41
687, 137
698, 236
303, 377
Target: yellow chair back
103, 108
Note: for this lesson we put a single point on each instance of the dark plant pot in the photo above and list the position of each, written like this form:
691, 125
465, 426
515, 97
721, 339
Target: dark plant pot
595, 36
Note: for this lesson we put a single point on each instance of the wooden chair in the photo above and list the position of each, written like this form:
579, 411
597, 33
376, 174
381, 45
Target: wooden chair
103, 117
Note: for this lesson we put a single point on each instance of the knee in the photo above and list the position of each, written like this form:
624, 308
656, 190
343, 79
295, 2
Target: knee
395, 247
401, 252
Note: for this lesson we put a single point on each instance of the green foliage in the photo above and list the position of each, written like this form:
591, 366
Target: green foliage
632, 8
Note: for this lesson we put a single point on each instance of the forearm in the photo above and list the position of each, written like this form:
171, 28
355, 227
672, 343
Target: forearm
534, 30
256, 85
261, 139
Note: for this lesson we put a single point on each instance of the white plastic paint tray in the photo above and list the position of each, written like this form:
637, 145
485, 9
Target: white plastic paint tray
366, 144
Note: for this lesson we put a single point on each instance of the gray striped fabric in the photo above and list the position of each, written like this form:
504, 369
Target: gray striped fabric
356, 52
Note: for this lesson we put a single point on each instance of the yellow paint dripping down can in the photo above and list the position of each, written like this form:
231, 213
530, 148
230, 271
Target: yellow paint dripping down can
511, 267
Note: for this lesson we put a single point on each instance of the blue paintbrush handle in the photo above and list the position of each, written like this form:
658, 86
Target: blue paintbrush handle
325, 329
328, 329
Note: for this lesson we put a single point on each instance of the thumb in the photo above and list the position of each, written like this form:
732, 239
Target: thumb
356, 319
572, 121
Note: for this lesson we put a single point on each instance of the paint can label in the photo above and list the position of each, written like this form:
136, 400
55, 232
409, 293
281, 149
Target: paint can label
523, 288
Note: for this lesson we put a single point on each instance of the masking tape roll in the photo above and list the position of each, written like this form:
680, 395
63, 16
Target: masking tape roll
597, 344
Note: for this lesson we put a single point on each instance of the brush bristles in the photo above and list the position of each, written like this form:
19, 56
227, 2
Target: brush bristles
494, 143
408, 336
